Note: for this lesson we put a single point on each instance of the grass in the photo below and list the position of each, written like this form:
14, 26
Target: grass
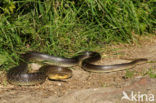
151, 73
66, 27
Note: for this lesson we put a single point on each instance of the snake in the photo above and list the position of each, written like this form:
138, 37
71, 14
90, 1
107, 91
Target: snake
57, 68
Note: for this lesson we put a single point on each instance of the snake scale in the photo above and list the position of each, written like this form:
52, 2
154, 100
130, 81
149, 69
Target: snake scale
56, 67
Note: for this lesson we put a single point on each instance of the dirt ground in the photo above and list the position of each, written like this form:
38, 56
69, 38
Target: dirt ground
85, 87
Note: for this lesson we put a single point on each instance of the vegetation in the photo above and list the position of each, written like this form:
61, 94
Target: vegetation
64, 27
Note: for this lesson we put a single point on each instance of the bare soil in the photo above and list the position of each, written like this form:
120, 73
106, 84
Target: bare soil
85, 87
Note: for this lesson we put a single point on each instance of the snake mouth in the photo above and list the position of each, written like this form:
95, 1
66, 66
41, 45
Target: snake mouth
59, 76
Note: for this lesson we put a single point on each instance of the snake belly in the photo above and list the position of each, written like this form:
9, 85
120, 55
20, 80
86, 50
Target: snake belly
56, 67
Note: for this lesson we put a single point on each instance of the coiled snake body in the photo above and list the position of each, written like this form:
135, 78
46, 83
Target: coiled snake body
56, 67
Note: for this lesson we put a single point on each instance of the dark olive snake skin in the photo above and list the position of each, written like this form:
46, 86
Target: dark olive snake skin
20, 75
